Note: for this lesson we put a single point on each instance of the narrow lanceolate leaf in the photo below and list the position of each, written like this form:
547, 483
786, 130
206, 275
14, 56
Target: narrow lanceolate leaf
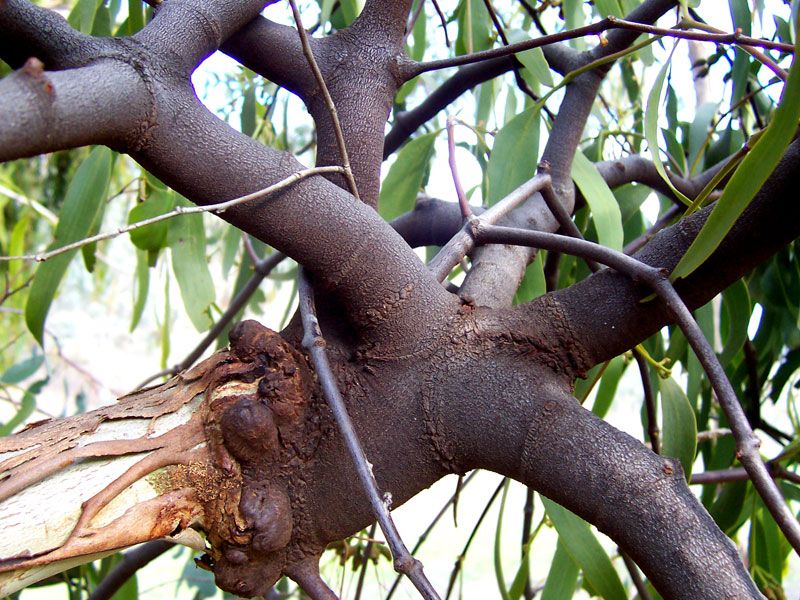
515, 155
404, 180
22, 370
187, 240
532, 59
679, 428
749, 177
584, 549
83, 200
141, 288
605, 210
498, 561
562, 578
651, 126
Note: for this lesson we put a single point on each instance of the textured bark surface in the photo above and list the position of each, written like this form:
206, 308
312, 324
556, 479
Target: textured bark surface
435, 383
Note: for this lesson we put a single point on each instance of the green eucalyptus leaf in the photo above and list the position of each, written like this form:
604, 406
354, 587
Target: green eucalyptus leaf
515, 155
404, 180
84, 199
581, 544
187, 241
605, 210
679, 427
748, 178
562, 578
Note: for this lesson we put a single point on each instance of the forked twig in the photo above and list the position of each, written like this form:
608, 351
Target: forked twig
314, 343
747, 443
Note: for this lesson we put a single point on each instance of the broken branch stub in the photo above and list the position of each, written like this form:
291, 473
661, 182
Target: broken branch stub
217, 449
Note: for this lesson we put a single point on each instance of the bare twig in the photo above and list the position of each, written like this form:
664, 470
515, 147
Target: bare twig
131, 562
747, 43
443, 21
414, 17
218, 208
463, 242
460, 559
337, 126
740, 474
314, 343
498, 26
424, 536
367, 550
636, 577
262, 268
649, 402
672, 213
747, 443
712, 434
466, 211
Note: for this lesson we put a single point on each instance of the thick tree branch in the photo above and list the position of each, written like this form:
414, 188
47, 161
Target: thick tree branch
619, 320
44, 111
32, 31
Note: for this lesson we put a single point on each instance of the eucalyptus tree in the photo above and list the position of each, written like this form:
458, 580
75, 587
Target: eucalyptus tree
576, 123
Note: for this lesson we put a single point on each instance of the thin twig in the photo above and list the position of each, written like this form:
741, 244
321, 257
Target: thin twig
337, 126
131, 562
362, 575
747, 443
414, 17
672, 213
443, 21
463, 242
649, 401
460, 559
466, 211
261, 270
740, 474
636, 577
424, 536
314, 343
218, 208
498, 26
745, 42
712, 434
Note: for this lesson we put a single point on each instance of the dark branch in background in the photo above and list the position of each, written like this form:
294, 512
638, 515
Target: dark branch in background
663, 221
560, 58
637, 169
498, 26
644, 593
747, 443
740, 474
131, 562
261, 270
367, 551
649, 402
460, 558
600, 27
314, 343
424, 536
442, 20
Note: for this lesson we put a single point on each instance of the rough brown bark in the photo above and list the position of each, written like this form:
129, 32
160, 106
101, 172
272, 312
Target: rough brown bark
434, 385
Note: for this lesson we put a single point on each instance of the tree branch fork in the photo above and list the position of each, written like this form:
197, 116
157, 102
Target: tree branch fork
226, 468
